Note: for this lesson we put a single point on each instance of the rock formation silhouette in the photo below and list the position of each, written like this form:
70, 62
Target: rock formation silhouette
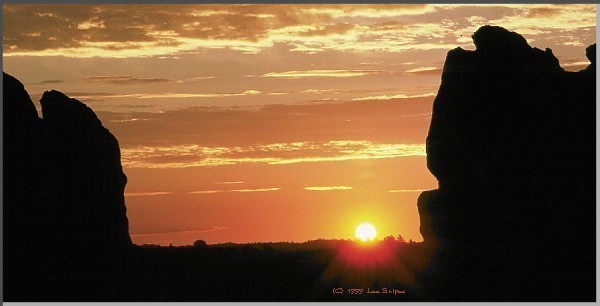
511, 142
512, 145
63, 186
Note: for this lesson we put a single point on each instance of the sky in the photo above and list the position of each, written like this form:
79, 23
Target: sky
244, 123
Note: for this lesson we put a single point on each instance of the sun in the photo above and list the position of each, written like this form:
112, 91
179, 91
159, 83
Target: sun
365, 232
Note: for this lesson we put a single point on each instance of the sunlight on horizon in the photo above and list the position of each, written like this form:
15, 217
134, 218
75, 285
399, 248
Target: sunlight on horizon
366, 232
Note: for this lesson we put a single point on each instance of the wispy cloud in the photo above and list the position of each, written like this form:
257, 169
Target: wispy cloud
256, 190
129, 120
146, 194
166, 95
574, 66
206, 191
339, 11
424, 71
274, 134
196, 95
298, 74
421, 69
407, 190
194, 79
228, 183
49, 82
125, 80
235, 190
395, 96
122, 31
540, 19
327, 188
184, 156
172, 95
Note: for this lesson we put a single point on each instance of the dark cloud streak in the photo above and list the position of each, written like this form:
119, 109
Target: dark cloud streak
380, 121
49, 82
125, 80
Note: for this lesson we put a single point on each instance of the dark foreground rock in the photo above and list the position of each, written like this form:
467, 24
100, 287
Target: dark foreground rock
64, 205
512, 143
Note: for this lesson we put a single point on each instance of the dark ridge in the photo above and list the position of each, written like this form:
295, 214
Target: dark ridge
512, 144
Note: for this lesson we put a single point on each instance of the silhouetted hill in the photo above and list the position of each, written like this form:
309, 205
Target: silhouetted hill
274, 271
63, 187
512, 144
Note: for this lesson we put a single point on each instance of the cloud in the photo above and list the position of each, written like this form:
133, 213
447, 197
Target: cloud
201, 78
327, 188
407, 190
235, 190
325, 91
228, 183
125, 80
166, 95
395, 96
575, 43
87, 96
322, 73
49, 82
256, 190
379, 121
140, 194
326, 30
541, 19
424, 71
206, 191
575, 66
134, 106
544, 12
209, 12
94, 23
129, 120
109, 30
77, 95
185, 156
192, 95
371, 11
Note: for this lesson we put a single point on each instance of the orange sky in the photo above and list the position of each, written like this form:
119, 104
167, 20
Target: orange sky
267, 122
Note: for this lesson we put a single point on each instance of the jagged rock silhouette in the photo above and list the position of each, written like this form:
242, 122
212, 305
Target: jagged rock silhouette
64, 187
512, 144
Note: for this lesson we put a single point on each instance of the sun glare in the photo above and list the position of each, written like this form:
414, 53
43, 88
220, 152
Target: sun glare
366, 232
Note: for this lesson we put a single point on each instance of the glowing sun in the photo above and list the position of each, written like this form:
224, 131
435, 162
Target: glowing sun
366, 232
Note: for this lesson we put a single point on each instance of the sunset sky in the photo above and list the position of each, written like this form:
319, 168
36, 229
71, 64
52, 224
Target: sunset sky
267, 122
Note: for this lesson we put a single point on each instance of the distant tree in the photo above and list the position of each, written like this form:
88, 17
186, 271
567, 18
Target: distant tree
388, 239
200, 244
401, 239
